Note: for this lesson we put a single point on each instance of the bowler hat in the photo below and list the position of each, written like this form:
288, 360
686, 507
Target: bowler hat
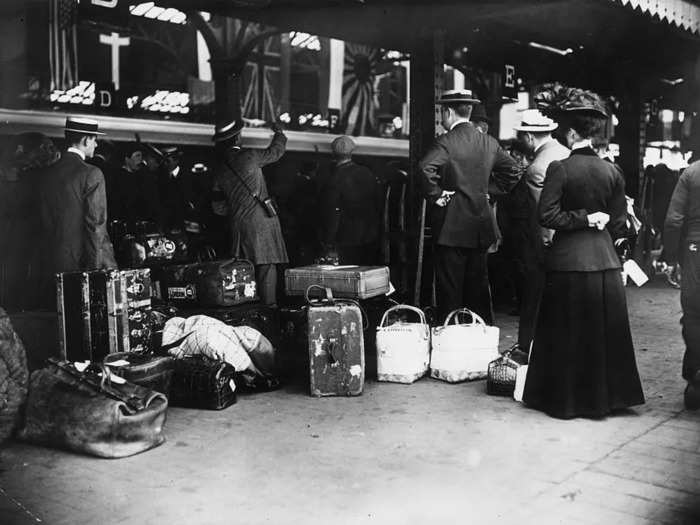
227, 130
479, 115
343, 145
458, 96
84, 126
534, 121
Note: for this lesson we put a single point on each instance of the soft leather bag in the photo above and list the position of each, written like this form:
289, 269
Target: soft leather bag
92, 412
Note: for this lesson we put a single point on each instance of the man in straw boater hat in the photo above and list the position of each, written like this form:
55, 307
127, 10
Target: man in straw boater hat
535, 134
456, 175
255, 226
73, 209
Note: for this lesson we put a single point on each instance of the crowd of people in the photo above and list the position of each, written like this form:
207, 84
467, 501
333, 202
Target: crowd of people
552, 206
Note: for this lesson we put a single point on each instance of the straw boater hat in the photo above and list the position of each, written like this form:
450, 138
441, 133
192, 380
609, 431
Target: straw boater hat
81, 125
534, 121
458, 96
227, 130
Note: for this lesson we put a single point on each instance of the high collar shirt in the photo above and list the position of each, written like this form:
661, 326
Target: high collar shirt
77, 152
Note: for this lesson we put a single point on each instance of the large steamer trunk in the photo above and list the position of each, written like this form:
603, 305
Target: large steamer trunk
103, 311
349, 281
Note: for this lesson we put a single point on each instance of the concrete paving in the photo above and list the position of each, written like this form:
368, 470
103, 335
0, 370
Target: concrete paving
419, 454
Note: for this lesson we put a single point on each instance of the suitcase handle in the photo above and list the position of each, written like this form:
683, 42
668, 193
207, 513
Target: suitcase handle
327, 291
330, 301
476, 319
407, 307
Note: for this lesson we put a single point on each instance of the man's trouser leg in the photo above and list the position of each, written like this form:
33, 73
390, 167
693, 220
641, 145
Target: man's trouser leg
449, 279
266, 275
690, 302
477, 292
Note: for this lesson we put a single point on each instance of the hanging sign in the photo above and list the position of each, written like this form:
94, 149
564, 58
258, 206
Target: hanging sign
105, 13
510, 84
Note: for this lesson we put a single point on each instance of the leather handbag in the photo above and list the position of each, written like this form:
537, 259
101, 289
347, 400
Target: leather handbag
92, 412
201, 382
463, 351
403, 348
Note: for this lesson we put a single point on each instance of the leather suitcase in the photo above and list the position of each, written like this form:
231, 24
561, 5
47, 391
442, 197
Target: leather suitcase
215, 283
102, 312
151, 371
336, 348
152, 248
353, 282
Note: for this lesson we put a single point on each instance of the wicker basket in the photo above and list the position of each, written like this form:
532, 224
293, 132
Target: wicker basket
500, 378
201, 382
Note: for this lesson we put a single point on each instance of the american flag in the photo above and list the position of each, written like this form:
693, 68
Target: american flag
63, 43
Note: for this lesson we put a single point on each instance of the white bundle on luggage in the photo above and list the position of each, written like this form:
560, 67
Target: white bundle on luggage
463, 351
215, 339
403, 348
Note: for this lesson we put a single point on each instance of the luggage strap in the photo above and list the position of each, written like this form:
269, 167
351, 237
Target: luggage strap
103, 385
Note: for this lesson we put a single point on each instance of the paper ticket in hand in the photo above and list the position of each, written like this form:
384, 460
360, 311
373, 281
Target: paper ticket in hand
635, 273
444, 199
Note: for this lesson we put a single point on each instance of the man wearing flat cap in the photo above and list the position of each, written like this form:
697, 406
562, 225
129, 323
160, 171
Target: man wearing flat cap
534, 133
73, 210
456, 174
350, 208
255, 226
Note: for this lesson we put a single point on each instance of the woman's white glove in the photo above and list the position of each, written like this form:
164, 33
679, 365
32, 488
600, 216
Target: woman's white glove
598, 220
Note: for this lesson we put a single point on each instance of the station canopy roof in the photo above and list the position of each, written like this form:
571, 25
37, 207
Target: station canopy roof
596, 31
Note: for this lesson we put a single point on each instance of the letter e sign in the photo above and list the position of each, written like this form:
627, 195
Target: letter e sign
509, 80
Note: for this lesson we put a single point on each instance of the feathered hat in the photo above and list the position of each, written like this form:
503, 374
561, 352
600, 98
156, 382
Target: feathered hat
557, 99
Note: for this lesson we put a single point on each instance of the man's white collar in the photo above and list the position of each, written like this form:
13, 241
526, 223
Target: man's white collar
583, 144
77, 152
175, 172
458, 122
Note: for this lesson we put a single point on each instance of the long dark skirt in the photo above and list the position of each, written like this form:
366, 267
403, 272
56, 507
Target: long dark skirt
582, 362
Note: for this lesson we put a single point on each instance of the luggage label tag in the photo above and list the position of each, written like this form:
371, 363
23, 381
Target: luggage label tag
188, 292
249, 290
229, 282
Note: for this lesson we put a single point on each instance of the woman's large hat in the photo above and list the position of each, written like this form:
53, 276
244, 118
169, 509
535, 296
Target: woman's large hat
81, 125
555, 99
457, 96
535, 122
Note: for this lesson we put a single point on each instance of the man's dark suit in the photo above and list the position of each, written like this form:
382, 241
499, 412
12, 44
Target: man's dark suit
350, 213
464, 160
73, 211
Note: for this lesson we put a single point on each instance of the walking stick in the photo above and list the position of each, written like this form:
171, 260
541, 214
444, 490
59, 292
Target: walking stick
421, 246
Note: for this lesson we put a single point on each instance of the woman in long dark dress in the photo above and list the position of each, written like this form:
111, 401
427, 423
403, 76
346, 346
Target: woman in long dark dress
582, 362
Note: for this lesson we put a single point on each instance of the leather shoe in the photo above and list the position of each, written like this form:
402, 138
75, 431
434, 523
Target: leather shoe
691, 397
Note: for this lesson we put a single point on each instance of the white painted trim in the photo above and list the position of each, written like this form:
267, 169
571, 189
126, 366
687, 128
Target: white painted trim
52, 123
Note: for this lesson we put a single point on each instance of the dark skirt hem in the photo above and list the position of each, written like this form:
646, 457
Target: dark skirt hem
582, 362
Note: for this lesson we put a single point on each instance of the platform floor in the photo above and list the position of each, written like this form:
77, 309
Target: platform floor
420, 454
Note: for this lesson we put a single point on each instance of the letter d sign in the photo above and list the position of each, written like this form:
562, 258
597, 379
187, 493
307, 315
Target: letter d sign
105, 98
